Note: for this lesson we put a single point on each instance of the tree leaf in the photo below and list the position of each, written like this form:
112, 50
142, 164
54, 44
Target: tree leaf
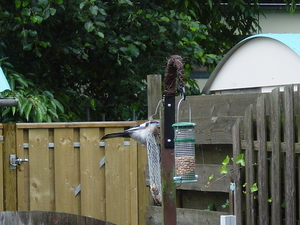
226, 161
134, 50
94, 10
254, 188
89, 26
240, 159
27, 110
223, 169
100, 34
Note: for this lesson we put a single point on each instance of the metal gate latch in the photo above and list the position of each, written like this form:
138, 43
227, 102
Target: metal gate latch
15, 161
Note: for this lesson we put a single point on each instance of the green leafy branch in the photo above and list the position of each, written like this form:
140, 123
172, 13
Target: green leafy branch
239, 160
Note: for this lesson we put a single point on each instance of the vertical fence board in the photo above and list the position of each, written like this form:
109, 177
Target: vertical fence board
39, 171
143, 190
65, 179
297, 127
91, 178
133, 182
10, 175
115, 174
236, 148
263, 208
1, 171
249, 169
275, 117
290, 189
22, 174
77, 170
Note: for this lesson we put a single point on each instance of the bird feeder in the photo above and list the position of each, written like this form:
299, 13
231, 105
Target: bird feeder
184, 141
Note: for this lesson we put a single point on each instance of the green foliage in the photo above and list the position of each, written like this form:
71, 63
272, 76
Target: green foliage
225, 162
81, 57
254, 188
34, 104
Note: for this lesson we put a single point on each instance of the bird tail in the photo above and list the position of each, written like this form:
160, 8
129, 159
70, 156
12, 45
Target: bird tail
115, 135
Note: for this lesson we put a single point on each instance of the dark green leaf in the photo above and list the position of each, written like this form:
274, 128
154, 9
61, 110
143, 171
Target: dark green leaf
89, 26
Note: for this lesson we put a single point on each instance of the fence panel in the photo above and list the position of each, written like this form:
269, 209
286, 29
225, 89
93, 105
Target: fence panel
64, 173
1, 168
270, 145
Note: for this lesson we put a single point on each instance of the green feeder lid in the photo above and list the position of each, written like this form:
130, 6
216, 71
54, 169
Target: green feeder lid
184, 125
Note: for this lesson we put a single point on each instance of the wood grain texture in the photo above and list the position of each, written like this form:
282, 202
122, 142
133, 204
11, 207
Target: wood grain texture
92, 202
10, 176
65, 179
238, 192
263, 179
290, 188
249, 167
184, 216
275, 139
1, 173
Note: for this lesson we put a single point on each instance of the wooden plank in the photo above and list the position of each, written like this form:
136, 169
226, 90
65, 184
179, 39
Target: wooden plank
248, 127
290, 189
219, 105
143, 191
1, 173
263, 208
236, 148
10, 175
23, 172
270, 146
133, 181
220, 183
76, 124
154, 93
92, 179
213, 130
115, 174
77, 170
65, 179
297, 127
203, 200
184, 216
41, 192
275, 117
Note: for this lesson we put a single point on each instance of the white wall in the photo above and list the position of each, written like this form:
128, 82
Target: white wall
280, 21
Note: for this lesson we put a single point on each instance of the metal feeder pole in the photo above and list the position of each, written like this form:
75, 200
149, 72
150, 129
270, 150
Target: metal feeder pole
174, 68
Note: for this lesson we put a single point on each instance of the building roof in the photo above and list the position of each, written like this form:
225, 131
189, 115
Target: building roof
262, 60
3, 82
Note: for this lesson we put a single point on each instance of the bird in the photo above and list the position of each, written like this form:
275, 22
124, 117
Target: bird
139, 133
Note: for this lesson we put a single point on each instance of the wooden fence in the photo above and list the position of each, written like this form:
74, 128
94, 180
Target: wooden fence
66, 170
71, 170
269, 139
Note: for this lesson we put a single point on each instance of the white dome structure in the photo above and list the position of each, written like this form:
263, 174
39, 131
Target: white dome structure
258, 64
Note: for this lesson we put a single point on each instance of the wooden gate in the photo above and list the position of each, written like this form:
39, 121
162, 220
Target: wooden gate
269, 139
71, 170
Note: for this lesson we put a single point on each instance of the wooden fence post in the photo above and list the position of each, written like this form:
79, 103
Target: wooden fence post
236, 147
290, 188
276, 211
263, 205
248, 128
10, 175
154, 93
